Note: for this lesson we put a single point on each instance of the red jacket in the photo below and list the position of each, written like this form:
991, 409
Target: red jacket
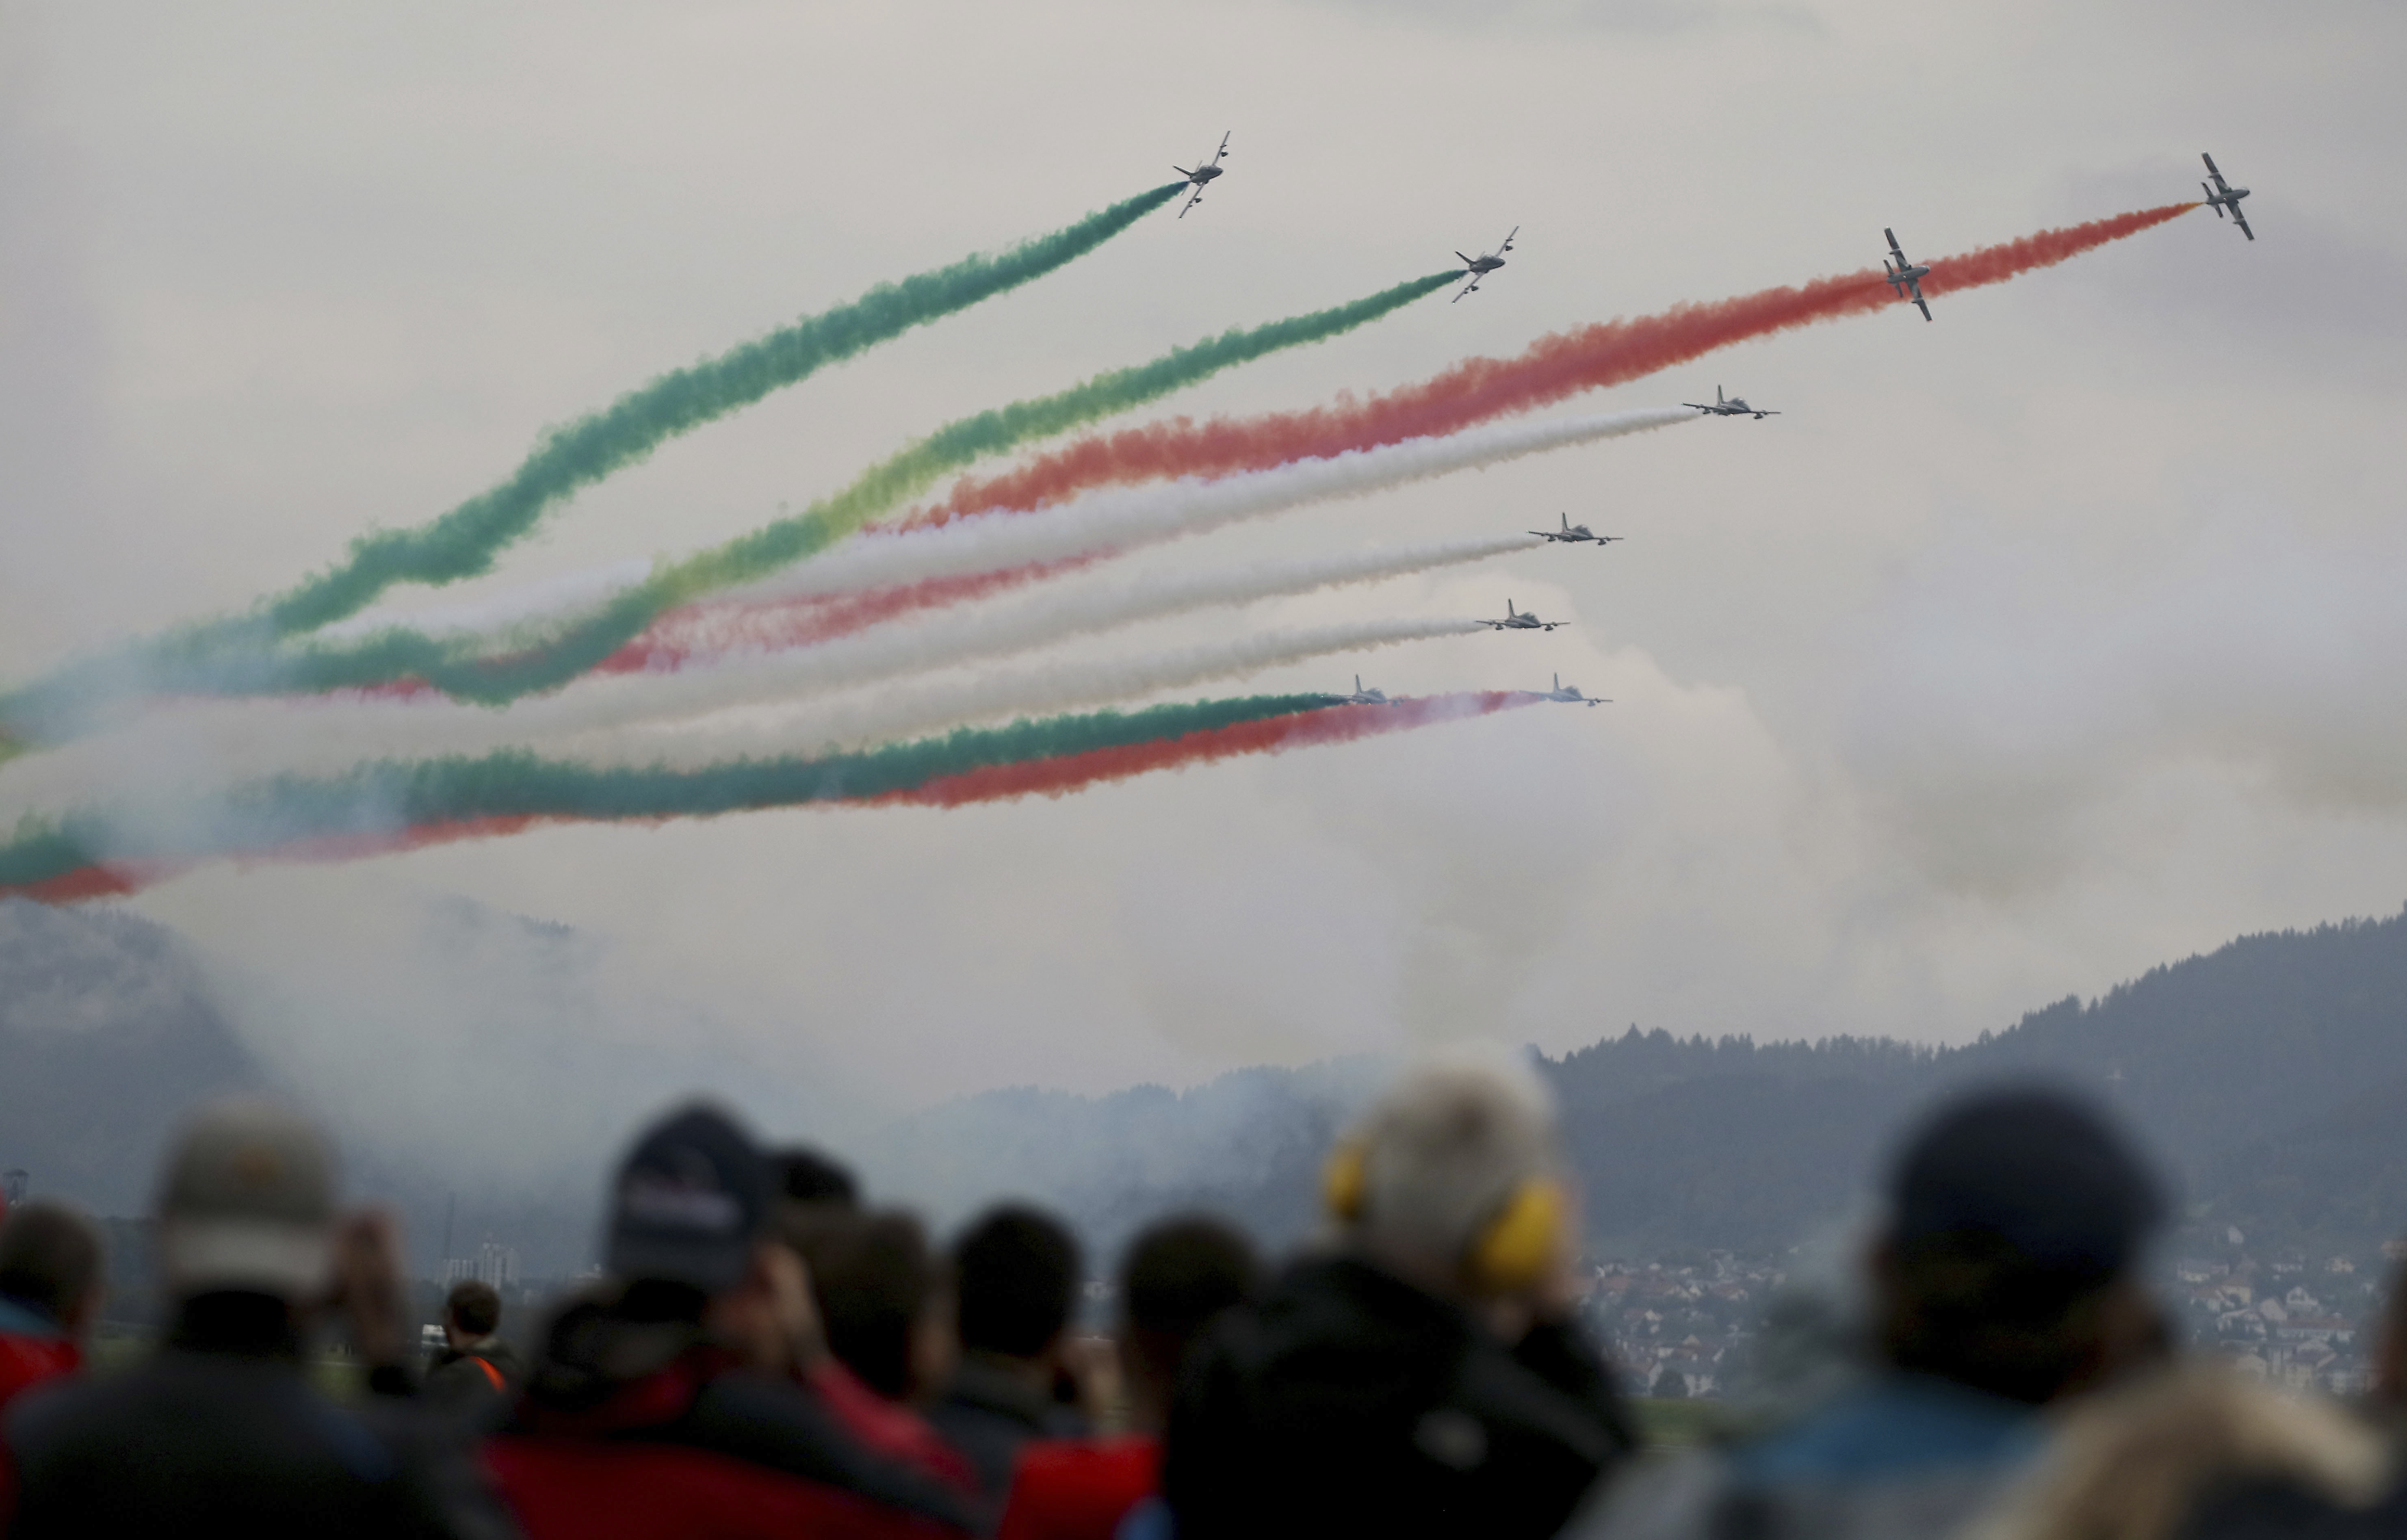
705, 1447
1079, 1488
32, 1350
886, 1428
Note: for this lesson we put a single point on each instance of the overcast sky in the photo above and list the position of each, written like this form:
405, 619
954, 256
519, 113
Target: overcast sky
2027, 650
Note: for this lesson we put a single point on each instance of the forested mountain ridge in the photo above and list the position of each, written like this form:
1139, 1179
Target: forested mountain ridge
2266, 1077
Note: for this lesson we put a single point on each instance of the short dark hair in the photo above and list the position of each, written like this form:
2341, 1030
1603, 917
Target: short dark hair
50, 1258
1017, 1271
1177, 1276
872, 1278
807, 1175
2015, 1209
474, 1307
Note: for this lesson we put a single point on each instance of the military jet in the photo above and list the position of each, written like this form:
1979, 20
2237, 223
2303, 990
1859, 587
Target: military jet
1480, 267
1365, 697
1905, 274
1203, 174
1520, 620
1570, 694
2223, 195
1572, 534
1735, 407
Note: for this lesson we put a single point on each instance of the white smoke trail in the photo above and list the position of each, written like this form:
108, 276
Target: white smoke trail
260, 737
1035, 690
1108, 519
496, 614
989, 631
1122, 518
184, 761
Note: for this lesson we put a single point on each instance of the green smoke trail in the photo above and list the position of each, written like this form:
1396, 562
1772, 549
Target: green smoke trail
401, 653
464, 542
384, 799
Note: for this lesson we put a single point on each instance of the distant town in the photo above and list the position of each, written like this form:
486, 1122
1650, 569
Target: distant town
1688, 1328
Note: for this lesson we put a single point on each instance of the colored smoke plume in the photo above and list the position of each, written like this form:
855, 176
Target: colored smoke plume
394, 805
463, 543
1552, 368
584, 643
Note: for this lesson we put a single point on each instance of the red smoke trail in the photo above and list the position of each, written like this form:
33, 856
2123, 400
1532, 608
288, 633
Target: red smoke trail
1608, 353
1059, 777
710, 630
1050, 777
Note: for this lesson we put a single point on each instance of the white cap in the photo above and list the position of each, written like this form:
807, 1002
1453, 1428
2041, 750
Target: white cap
247, 1201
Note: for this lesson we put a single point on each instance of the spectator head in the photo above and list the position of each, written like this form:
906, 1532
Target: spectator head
2016, 1216
470, 1312
879, 1291
247, 1205
688, 1205
807, 1175
1016, 1276
1178, 1276
687, 1239
52, 1263
1452, 1179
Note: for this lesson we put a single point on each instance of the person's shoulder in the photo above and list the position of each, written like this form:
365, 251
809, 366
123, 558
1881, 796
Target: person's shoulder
1893, 1427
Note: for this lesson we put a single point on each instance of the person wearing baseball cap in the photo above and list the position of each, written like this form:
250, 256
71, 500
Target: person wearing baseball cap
2004, 1281
664, 1402
220, 1430
1424, 1374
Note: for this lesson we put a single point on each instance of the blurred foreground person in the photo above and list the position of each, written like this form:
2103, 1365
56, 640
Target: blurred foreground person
1425, 1377
1178, 1277
1015, 1281
663, 1402
2002, 1283
2387, 1397
51, 1285
219, 1432
474, 1372
889, 1331
2203, 1454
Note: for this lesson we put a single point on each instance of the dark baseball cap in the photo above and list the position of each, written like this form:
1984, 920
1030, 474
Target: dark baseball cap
689, 1203
2036, 1167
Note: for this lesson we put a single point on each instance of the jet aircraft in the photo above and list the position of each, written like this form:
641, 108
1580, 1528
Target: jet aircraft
1480, 267
2223, 195
1520, 620
1735, 407
1570, 694
1203, 174
1573, 534
1365, 697
1905, 274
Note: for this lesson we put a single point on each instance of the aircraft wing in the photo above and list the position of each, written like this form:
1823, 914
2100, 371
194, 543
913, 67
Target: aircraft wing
2242, 221
1894, 247
1918, 303
1193, 202
1508, 240
2210, 169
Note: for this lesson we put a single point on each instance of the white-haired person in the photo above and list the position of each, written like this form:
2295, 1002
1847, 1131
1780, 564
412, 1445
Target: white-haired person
1422, 1374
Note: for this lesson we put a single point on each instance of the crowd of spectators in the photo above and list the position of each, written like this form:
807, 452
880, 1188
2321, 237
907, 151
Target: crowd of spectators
767, 1353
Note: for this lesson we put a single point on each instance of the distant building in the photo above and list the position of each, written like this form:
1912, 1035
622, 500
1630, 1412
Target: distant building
493, 1264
